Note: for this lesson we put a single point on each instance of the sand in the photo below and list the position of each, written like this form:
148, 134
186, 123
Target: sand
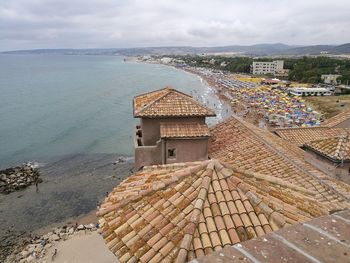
82, 248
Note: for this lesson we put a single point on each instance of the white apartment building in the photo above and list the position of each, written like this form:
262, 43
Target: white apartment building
264, 67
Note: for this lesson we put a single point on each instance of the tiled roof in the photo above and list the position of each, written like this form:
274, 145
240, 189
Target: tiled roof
324, 239
337, 119
250, 148
337, 149
182, 130
168, 102
174, 213
300, 136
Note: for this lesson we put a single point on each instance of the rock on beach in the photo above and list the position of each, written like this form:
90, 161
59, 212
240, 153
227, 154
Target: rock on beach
17, 178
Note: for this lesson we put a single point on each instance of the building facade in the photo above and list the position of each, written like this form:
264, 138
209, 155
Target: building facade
265, 67
310, 91
172, 128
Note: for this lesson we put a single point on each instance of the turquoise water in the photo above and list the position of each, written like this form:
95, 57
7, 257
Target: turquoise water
57, 105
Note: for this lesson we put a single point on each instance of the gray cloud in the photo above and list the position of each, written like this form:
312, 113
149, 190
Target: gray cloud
26, 24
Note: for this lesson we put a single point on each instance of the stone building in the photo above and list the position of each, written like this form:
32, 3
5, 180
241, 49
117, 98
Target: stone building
172, 128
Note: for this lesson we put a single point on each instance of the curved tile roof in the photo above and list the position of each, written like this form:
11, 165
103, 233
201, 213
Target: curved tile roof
337, 149
337, 119
250, 148
300, 136
168, 102
175, 213
182, 130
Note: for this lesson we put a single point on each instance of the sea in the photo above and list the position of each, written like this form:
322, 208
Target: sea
59, 105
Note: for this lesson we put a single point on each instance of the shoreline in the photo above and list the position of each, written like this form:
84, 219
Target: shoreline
71, 189
223, 109
52, 207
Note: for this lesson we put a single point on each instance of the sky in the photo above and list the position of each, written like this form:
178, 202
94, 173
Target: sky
33, 24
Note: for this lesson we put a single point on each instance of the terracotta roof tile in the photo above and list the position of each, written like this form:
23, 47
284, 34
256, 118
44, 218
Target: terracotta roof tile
337, 119
337, 148
168, 102
300, 136
219, 223
323, 239
183, 130
157, 229
261, 155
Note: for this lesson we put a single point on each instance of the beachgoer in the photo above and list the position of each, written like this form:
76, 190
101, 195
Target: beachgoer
54, 254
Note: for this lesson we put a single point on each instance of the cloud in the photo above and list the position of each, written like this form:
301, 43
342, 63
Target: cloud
27, 24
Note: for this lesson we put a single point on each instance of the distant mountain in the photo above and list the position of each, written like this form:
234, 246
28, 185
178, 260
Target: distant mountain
277, 49
308, 50
341, 49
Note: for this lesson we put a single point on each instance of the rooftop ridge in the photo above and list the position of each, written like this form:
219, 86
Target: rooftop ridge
207, 208
175, 177
302, 135
275, 216
301, 128
344, 146
271, 179
167, 89
340, 151
195, 215
205, 111
298, 164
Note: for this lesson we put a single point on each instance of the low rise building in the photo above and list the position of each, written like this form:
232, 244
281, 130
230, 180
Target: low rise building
172, 128
330, 78
310, 91
302, 135
255, 184
332, 156
265, 67
326, 148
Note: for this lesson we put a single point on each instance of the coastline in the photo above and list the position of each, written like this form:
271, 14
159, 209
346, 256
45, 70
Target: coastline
211, 98
71, 190
74, 185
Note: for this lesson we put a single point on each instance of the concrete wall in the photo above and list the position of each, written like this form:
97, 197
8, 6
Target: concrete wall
148, 155
336, 170
151, 127
187, 150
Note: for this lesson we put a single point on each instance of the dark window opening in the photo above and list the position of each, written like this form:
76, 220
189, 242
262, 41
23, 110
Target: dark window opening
172, 153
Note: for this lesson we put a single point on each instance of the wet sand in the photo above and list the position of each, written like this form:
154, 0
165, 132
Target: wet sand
72, 186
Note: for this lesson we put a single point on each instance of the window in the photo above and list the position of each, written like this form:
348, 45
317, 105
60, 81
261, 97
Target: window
171, 153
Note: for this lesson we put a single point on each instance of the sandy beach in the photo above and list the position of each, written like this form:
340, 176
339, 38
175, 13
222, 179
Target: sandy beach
82, 248
209, 94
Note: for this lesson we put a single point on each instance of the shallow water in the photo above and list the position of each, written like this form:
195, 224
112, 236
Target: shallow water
73, 185
53, 105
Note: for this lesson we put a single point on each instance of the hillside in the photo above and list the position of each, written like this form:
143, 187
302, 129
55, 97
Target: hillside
277, 49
